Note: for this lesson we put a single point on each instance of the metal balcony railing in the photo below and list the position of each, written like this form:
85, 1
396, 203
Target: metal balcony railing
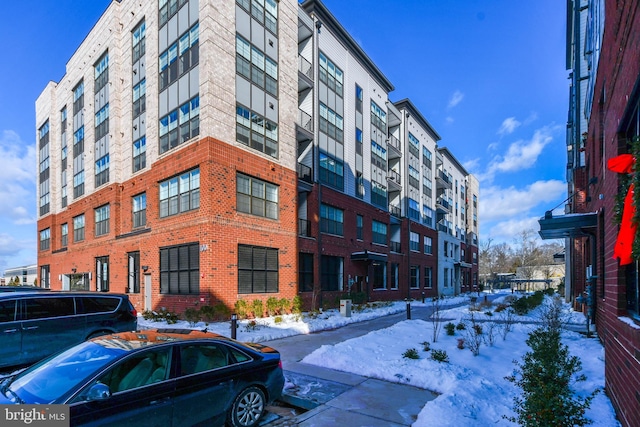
305, 67
305, 121
304, 173
304, 227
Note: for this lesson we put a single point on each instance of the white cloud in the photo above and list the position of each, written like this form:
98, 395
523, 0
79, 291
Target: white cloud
17, 179
456, 98
493, 146
472, 165
499, 203
449, 120
507, 231
508, 126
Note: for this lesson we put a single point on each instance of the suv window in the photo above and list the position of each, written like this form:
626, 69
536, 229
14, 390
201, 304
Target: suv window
88, 305
40, 308
7, 311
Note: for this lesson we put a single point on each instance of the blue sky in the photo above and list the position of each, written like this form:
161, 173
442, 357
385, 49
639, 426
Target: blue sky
489, 75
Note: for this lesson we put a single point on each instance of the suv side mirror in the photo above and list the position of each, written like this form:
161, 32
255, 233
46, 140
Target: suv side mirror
98, 391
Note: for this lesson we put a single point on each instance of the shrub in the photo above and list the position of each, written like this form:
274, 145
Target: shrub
277, 319
273, 306
488, 313
450, 328
426, 346
460, 326
257, 307
284, 305
296, 306
207, 313
221, 311
242, 308
545, 376
549, 292
440, 356
192, 315
411, 353
500, 307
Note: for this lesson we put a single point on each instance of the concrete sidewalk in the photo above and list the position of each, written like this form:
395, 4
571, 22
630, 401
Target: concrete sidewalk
335, 398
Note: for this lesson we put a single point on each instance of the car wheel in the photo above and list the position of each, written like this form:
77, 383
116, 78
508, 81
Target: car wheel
247, 408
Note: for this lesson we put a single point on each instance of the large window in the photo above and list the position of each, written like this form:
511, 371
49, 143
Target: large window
379, 194
428, 279
379, 230
305, 272
414, 210
180, 125
255, 131
331, 273
331, 123
378, 117
331, 220
379, 156
331, 171
414, 242
102, 122
264, 11
414, 177
45, 239
64, 235
180, 193
180, 269
102, 216
257, 67
102, 170
257, 269
414, 145
138, 42
139, 98
44, 168
45, 276
179, 57
139, 203
331, 75
78, 228
428, 245
379, 275
414, 280
140, 154
102, 274
256, 197
101, 73
133, 269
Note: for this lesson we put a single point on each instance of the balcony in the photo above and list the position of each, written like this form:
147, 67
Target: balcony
305, 173
393, 146
395, 211
395, 247
393, 179
442, 205
305, 121
442, 180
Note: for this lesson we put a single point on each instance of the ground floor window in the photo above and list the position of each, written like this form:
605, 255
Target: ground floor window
102, 274
45, 276
428, 280
395, 273
133, 276
414, 280
633, 290
257, 269
77, 282
180, 269
332, 273
305, 273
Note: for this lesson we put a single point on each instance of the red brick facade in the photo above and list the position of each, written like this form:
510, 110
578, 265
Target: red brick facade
216, 227
616, 95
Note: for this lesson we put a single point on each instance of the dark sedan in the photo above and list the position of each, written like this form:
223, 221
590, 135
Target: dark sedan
164, 377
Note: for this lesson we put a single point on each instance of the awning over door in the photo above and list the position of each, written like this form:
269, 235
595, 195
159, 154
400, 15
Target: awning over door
368, 256
569, 225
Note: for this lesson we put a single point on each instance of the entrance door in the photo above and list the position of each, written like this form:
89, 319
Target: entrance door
147, 292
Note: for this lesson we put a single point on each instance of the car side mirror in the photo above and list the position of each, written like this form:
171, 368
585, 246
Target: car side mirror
98, 391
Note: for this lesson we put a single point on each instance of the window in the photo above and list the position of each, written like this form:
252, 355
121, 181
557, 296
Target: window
414, 177
428, 245
168, 8
331, 123
414, 145
133, 276
78, 98
102, 170
379, 231
140, 154
179, 57
395, 275
42, 308
358, 99
426, 157
102, 274
379, 194
264, 11
378, 117
138, 41
256, 197
414, 210
257, 269
180, 269
139, 204
101, 72
137, 371
428, 283
102, 122
45, 277
305, 273
359, 185
78, 228
359, 221
427, 186
414, 241
415, 277
331, 273
78, 184
102, 215
45, 239
180, 194
255, 131
331, 75
180, 125
331, 220
379, 275
255, 66
44, 168
139, 98
331, 171
378, 156
64, 235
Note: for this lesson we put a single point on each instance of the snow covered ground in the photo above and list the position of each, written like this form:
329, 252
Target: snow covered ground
472, 389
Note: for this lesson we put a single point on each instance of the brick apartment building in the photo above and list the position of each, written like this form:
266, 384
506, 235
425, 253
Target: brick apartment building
198, 152
604, 123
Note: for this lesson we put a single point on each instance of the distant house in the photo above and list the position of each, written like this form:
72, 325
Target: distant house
26, 273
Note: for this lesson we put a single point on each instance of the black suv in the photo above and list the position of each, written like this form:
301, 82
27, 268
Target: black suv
34, 325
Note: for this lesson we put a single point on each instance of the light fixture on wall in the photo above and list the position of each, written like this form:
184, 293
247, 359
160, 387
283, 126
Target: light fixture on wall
145, 268
73, 270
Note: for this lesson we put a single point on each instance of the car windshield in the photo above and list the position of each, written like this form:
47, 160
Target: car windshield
52, 378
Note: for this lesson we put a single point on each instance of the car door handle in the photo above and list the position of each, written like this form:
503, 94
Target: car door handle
10, 331
28, 328
159, 401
